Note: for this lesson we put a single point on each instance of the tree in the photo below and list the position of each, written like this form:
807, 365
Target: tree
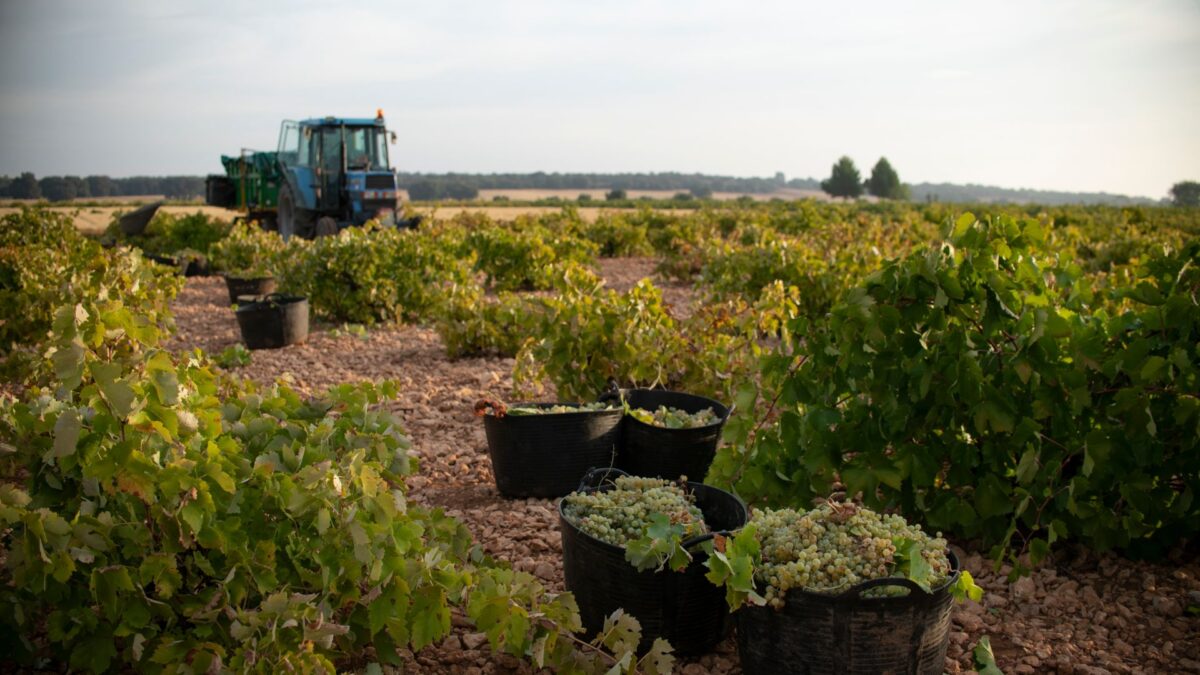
615, 195
885, 183
432, 190
1186, 193
79, 185
845, 180
101, 186
57, 188
25, 187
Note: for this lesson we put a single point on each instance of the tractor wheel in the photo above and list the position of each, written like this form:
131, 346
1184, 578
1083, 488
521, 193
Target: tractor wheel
326, 226
291, 220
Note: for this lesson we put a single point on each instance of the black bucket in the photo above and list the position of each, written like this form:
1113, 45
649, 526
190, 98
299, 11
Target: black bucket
248, 286
273, 321
647, 450
196, 267
169, 261
684, 607
135, 222
847, 634
546, 455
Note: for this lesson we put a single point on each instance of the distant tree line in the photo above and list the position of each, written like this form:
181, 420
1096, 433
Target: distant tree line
63, 188
845, 180
971, 192
694, 183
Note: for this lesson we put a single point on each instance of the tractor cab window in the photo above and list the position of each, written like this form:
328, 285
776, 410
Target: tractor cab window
366, 149
306, 154
289, 142
381, 150
330, 157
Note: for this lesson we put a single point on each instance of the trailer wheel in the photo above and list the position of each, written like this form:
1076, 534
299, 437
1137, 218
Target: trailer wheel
326, 226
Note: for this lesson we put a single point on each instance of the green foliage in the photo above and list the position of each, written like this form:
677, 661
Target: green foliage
234, 356
473, 324
526, 256
370, 274
46, 264
616, 236
172, 521
37, 226
1186, 193
984, 658
884, 182
167, 233
660, 547
587, 335
351, 330
844, 181
169, 523
248, 251
730, 564
982, 387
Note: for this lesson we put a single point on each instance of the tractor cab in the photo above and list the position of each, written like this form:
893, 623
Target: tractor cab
335, 173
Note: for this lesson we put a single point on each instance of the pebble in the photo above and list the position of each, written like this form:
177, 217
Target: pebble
474, 640
545, 570
1168, 607
1024, 588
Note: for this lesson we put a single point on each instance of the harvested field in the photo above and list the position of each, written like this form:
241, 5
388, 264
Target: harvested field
587, 213
1087, 613
95, 219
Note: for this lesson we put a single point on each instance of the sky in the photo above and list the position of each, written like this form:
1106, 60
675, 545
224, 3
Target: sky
1102, 95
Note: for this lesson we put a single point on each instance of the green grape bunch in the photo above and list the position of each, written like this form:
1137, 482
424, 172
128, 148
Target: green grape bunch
840, 544
649, 517
496, 408
674, 418
557, 409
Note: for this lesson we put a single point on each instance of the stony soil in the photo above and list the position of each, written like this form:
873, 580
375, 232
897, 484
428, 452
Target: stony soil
1086, 613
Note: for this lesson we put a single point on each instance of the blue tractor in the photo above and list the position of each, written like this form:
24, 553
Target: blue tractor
327, 173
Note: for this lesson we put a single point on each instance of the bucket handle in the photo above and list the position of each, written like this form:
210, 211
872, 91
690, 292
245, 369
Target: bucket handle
857, 589
589, 478
274, 299
612, 392
701, 538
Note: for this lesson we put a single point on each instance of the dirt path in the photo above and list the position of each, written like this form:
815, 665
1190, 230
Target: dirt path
1093, 614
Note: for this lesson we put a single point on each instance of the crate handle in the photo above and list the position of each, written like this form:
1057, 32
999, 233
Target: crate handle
589, 479
857, 589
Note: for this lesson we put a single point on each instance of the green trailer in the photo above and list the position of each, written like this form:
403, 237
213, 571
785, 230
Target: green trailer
250, 185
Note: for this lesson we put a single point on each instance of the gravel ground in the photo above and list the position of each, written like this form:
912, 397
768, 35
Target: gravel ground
1087, 613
